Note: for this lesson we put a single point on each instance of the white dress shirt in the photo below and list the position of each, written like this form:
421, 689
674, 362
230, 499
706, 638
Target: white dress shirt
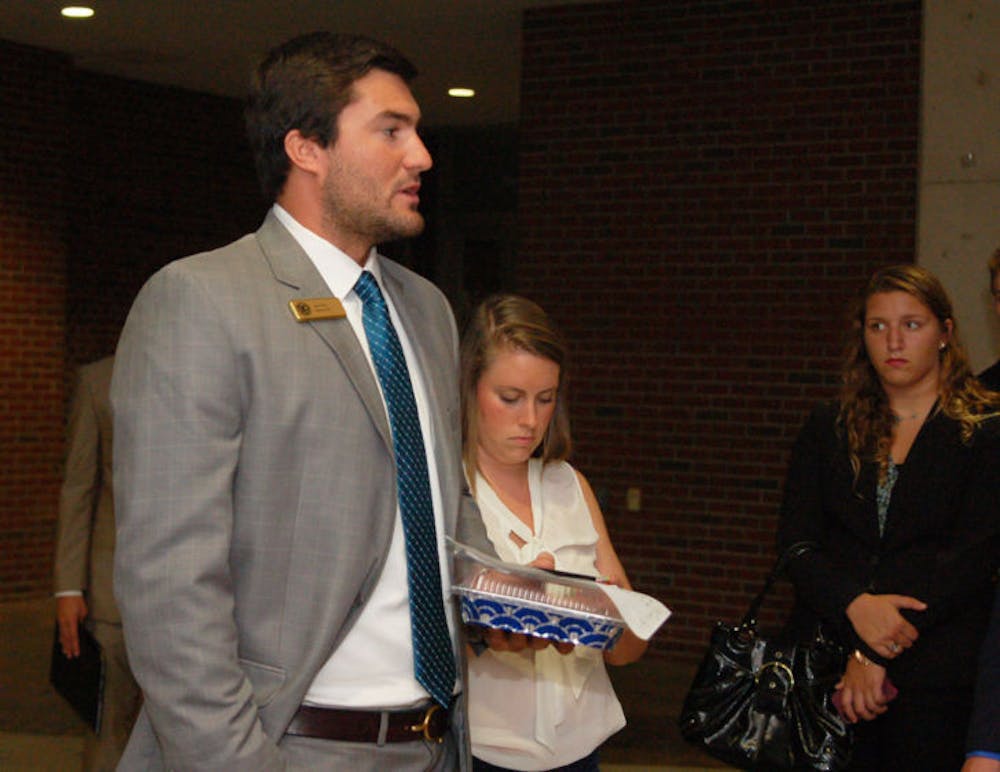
373, 665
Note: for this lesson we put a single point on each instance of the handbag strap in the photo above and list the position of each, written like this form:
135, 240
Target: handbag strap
796, 550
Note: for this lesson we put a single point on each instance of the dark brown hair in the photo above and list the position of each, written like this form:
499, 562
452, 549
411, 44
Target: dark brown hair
304, 84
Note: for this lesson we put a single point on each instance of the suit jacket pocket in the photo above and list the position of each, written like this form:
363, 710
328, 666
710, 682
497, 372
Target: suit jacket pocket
265, 679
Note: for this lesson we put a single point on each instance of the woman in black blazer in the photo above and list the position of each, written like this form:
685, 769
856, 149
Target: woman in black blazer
898, 484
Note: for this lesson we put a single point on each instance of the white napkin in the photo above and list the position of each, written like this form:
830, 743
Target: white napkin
642, 613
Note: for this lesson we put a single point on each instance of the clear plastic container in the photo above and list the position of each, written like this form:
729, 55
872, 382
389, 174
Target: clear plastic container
522, 599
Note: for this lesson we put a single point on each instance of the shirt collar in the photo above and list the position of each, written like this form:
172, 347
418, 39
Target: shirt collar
339, 271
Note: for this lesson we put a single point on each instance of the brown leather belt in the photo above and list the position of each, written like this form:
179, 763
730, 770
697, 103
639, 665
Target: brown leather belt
364, 726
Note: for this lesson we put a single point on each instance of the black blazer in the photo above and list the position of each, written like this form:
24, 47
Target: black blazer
990, 377
940, 543
984, 731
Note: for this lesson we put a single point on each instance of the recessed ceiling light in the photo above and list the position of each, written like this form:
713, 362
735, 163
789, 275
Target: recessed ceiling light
77, 12
462, 93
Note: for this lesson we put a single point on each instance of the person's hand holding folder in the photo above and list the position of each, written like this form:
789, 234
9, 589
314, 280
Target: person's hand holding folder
80, 678
71, 610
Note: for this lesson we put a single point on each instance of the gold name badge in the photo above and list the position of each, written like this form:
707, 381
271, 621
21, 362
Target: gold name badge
312, 309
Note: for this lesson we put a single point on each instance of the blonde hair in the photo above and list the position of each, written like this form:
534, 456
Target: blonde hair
865, 417
511, 321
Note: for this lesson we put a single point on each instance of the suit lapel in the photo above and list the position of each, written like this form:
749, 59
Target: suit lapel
293, 268
433, 372
430, 368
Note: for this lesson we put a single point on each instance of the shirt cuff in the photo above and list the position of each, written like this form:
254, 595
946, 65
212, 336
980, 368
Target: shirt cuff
68, 594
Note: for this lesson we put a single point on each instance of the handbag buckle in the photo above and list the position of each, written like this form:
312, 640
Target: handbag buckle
779, 666
774, 683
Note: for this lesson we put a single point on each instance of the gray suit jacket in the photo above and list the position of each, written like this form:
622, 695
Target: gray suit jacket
85, 530
256, 491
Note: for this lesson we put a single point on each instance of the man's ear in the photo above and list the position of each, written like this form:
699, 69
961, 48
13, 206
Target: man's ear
304, 153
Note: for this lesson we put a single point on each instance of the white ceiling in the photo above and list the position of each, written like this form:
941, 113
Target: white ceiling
212, 45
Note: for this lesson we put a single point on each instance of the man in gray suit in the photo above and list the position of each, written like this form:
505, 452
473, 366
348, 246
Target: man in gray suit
84, 556
261, 570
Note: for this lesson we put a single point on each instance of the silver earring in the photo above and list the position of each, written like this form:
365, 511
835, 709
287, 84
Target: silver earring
941, 346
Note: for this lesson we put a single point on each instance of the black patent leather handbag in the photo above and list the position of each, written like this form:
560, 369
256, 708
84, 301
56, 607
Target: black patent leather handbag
758, 703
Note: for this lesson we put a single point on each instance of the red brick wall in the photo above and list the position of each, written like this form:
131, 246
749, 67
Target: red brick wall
157, 173
103, 180
33, 145
702, 185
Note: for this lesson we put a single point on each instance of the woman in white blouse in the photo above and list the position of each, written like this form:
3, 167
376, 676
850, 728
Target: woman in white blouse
548, 708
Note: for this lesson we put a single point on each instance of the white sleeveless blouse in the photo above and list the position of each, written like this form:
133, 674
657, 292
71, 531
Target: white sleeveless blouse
539, 710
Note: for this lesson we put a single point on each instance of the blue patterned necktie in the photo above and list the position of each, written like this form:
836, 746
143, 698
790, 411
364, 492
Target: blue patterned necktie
433, 659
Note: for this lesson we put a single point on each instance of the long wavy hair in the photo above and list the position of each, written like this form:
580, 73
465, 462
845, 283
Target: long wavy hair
865, 417
511, 321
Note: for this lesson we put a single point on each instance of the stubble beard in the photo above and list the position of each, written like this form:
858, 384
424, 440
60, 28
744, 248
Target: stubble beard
365, 220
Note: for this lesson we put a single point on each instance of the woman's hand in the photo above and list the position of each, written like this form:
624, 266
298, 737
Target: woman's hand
877, 621
862, 690
501, 640
544, 560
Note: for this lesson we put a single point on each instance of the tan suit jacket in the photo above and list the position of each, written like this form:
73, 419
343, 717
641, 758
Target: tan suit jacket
85, 530
256, 491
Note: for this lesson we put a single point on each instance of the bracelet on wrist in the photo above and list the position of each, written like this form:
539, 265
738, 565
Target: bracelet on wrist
861, 658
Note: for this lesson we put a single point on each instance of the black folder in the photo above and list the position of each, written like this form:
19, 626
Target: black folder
80, 680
